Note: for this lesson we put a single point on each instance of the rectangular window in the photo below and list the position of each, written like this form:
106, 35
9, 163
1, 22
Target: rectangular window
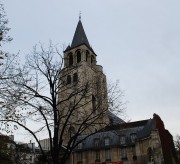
108, 154
122, 139
106, 141
79, 156
123, 153
134, 151
97, 155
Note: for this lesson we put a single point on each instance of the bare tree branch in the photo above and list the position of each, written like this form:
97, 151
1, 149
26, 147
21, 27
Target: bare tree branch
38, 91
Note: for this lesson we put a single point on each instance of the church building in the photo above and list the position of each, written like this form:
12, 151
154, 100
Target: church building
83, 96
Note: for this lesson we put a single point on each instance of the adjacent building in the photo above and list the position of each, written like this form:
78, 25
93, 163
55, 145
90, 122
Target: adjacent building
140, 142
7, 149
12, 152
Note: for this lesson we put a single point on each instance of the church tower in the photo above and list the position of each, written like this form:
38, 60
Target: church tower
83, 90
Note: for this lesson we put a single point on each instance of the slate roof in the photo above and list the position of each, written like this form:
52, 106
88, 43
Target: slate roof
88, 143
79, 38
142, 129
127, 125
145, 132
114, 120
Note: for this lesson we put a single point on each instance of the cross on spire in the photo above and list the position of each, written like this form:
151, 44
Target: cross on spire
80, 16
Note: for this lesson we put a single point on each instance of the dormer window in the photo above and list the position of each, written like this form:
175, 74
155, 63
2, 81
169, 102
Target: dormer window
122, 139
80, 145
70, 59
97, 142
133, 137
106, 141
78, 56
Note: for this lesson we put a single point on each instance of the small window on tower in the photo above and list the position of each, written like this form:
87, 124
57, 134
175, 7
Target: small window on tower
70, 59
93, 103
92, 59
87, 54
78, 56
75, 77
69, 79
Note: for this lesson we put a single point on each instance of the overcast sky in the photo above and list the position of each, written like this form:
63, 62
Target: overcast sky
137, 42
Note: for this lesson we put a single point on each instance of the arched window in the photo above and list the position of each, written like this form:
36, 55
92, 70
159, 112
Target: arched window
78, 56
69, 79
92, 59
70, 59
87, 54
75, 77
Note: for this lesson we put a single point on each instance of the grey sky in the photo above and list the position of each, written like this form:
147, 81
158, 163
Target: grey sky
137, 41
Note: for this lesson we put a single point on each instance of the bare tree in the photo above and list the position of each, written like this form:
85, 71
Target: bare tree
33, 95
4, 38
4, 29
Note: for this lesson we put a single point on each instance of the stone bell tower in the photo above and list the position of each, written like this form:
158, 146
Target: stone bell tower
83, 85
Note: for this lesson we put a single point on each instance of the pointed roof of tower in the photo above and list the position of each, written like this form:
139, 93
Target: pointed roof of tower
79, 36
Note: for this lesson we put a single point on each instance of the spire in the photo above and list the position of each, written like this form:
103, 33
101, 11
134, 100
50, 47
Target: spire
80, 16
79, 35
